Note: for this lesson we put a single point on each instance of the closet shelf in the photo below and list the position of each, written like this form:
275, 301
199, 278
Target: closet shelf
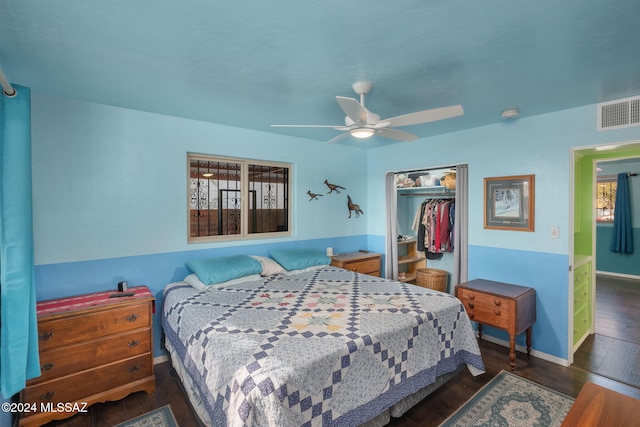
407, 259
405, 242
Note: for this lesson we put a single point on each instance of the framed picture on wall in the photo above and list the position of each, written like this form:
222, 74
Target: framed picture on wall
509, 203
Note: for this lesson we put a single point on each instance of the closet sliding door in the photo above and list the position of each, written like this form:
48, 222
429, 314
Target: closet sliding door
391, 258
461, 236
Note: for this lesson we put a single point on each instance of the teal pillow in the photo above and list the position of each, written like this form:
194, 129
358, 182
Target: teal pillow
296, 259
217, 270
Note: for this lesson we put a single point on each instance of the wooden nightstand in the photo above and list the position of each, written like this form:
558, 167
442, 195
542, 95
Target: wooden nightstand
504, 306
362, 262
92, 349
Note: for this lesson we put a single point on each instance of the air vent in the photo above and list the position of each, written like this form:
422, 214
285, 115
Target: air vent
621, 113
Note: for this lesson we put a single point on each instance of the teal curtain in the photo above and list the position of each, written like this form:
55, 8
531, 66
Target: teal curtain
19, 359
622, 240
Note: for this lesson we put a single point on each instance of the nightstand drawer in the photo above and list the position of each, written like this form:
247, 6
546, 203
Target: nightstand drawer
366, 266
361, 262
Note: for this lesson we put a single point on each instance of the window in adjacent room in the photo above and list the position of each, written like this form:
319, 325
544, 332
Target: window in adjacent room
606, 198
237, 198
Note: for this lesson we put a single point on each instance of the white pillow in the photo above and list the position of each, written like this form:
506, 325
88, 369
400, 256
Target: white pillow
269, 266
192, 280
304, 270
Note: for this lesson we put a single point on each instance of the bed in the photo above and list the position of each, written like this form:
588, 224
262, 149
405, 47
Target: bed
317, 346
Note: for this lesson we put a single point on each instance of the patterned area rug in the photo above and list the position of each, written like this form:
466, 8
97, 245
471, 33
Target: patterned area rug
161, 417
509, 400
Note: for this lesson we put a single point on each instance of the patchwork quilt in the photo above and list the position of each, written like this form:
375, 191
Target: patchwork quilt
328, 347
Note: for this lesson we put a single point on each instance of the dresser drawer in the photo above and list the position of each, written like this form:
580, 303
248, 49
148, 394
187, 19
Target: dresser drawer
74, 358
581, 273
74, 329
488, 309
581, 323
74, 388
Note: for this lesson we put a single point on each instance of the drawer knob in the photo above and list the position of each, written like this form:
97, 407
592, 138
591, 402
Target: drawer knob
471, 304
471, 315
496, 302
134, 368
132, 318
133, 343
47, 396
45, 336
496, 312
471, 295
47, 366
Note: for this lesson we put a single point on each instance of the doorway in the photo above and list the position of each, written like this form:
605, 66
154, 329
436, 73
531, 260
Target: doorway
612, 346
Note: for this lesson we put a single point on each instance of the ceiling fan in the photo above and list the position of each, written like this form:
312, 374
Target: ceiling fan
362, 123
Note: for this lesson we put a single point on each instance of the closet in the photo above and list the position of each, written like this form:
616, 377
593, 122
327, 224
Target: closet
428, 227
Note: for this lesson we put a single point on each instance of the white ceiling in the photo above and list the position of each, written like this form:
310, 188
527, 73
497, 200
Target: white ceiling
255, 63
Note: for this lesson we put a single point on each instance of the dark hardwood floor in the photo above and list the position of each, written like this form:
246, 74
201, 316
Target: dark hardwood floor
614, 350
617, 302
615, 345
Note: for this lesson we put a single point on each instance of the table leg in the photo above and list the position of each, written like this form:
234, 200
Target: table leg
479, 331
528, 340
512, 351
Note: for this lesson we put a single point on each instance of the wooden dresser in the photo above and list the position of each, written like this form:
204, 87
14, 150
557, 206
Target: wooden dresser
92, 349
362, 262
504, 306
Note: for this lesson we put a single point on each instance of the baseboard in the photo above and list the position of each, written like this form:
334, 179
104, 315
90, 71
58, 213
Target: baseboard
523, 349
160, 359
620, 275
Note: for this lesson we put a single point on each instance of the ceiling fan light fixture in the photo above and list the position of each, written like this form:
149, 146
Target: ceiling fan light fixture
362, 133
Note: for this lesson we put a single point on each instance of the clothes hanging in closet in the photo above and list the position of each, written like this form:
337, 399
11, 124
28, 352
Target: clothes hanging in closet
434, 227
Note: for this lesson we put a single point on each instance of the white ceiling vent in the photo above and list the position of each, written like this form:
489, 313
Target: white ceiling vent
621, 113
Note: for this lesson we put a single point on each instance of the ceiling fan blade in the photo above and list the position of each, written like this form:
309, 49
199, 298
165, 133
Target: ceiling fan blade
398, 135
353, 109
338, 138
338, 127
426, 116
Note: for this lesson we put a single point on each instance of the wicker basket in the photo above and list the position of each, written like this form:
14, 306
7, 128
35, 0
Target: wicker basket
432, 278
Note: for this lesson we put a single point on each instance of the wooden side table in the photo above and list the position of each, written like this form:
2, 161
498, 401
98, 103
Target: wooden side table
362, 262
597, 406
504, 306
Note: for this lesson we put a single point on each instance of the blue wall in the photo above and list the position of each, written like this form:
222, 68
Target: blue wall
539, 145
110, 194
615, 262
110, 197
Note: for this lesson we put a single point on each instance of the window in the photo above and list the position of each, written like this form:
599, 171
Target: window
606, 198
237, 198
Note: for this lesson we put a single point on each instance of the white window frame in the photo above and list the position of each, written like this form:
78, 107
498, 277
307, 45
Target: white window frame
244, 203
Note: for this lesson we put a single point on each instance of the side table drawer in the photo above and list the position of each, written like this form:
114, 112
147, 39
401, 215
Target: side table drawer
487, 309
